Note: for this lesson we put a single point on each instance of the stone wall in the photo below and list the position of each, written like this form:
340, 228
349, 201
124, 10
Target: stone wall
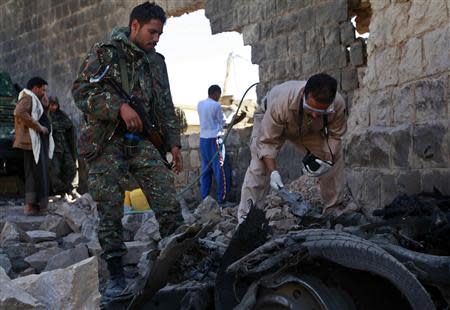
399, 140
49, 38
292, 39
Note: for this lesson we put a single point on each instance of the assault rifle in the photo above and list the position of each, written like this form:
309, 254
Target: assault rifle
151, 132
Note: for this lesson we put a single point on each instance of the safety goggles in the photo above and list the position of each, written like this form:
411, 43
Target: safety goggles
330, 108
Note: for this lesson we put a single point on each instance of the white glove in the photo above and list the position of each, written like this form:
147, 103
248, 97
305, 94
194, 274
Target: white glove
275, 180
324, 167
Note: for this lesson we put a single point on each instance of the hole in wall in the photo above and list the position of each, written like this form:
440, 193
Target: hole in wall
196, 59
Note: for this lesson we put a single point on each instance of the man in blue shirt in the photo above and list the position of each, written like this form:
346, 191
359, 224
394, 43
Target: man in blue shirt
212, 122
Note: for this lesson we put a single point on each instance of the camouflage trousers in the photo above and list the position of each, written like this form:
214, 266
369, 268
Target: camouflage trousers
62, 172
112, 173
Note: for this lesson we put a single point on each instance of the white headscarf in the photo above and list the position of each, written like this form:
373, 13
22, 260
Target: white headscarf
36, 113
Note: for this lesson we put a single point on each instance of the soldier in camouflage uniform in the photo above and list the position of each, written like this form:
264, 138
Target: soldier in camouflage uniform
63, 167
109, 117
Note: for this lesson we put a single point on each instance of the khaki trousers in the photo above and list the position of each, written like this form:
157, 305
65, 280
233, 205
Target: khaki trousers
256, 181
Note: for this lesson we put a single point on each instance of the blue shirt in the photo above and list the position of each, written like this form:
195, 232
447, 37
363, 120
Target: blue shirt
211, 118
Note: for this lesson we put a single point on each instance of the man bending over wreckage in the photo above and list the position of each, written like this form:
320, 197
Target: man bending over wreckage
312, 116
123, 91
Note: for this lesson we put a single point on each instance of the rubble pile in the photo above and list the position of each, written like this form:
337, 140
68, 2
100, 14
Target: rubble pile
195, 265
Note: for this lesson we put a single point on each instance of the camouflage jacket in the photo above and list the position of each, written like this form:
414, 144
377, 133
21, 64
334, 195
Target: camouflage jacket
100, 103
63, 132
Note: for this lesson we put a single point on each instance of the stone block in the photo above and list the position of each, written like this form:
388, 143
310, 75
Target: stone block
242, 15
349, 79
184, 141
39, 260
13, 297
310, 62
56, 224
149, 230
347, 32
425, 16
333, 57
331, 12
250, 34
314, 39
410, 67
194, 141
67, 258
381, 108
388, 189
45, 245
135, 250
380, 140
280, 68
428, 142
358, 150
434, 45
360, 110
258, 53
408, 182
276, 48
293, 67
357, 53
403, 104
266, 29
12, 234
5, 263
296, 43
436, 179
331, 35
75, 287
41, 235
372, 190
430, 100
186, 161
386, 67
401, 146
194, 159
283, 24
73, 239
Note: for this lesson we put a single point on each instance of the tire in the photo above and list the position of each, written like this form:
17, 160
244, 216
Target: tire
342, 249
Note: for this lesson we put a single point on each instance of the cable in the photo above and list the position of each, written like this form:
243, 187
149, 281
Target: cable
179, 194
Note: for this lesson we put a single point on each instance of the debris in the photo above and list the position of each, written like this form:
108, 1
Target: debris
67, 258
13, 297
75, 287
40, 236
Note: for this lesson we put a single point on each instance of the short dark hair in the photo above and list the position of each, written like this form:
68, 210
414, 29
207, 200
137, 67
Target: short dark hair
36, 82
146, 11
213, 89
53, 100
322, 87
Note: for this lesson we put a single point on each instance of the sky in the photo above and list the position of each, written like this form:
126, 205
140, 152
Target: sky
196, 59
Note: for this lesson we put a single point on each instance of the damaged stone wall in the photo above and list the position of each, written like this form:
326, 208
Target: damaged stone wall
292, 39
399, 139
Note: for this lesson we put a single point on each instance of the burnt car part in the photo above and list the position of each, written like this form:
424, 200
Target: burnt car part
249, 235
342, 249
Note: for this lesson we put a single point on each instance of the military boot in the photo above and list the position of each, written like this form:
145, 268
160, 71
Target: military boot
116, 283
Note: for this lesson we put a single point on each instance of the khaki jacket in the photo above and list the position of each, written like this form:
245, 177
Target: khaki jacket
23, 121
281, 121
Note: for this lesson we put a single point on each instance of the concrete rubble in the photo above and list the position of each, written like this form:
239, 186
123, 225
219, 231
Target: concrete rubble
192, 264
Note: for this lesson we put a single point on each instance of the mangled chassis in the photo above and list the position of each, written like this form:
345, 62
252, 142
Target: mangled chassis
310, 268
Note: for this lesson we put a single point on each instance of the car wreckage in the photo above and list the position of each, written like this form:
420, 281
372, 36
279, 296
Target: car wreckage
399, 259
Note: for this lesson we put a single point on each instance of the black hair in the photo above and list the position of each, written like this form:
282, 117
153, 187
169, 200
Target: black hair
322, 87
146, 11
213, 89
53, 100
36, 82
